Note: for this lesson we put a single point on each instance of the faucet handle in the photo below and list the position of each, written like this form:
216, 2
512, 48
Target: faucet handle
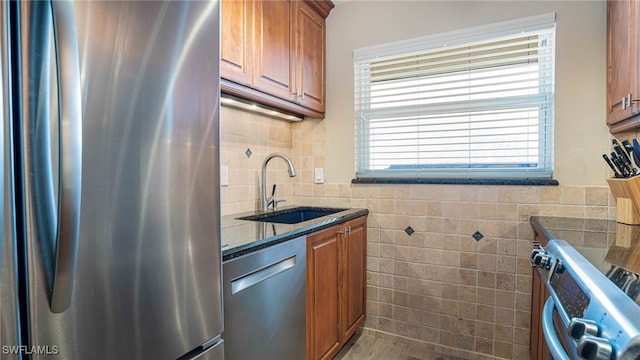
271, 200
275, 203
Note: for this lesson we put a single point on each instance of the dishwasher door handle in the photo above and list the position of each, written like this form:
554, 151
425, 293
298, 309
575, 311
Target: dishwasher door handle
262, 274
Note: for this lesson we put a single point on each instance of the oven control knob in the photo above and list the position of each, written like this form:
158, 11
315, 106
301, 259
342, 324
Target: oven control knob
540, 258
594, 348
579, 327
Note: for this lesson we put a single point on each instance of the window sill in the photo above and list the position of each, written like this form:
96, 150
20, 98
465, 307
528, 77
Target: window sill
522, 182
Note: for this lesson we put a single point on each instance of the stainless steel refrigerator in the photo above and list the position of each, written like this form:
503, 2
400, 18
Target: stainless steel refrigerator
110, 224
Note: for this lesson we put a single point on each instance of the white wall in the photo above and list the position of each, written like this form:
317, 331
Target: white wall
581, 135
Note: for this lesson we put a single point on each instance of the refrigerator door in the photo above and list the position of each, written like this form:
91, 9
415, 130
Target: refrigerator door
147, 265
9, 322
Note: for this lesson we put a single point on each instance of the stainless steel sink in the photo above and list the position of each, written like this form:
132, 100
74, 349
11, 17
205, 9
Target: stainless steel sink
293, 215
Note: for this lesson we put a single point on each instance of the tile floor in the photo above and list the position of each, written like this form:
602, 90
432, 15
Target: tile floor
368, 347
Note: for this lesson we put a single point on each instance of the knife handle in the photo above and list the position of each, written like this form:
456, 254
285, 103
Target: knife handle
636, 150
626, 145
621, 153
615, 172
635, 161
618, 163
623, 159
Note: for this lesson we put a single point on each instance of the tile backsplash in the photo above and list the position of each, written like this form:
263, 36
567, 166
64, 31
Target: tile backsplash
437, 286
242, 131
440, 285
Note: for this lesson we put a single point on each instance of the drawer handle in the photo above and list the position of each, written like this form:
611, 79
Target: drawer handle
627, 101
345, 232
262, 274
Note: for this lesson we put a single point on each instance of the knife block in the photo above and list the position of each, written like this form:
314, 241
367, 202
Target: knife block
627, 194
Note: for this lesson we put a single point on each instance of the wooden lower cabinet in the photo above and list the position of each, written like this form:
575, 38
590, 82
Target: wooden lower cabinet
353, 282
539, 294
336, 275
323, 337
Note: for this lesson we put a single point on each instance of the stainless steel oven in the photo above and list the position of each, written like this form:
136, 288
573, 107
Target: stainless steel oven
589, 314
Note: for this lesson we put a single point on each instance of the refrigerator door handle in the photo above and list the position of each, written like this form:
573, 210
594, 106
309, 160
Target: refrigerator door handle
70, 147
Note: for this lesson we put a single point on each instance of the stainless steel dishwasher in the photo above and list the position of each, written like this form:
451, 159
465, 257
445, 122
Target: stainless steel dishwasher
265, 302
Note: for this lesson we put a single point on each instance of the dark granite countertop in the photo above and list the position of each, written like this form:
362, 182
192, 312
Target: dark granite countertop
240, 237
603, 242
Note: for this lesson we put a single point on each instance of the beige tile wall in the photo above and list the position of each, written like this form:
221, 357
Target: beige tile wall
241, 131
438, 286
441, 285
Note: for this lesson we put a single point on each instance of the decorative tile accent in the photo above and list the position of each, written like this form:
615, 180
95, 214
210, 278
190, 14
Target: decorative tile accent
477, 235
409, 230
248, 153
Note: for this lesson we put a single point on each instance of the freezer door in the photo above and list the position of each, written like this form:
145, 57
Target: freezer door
216, 352
144, 271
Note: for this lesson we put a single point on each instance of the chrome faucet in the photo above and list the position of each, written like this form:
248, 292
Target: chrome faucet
267, 201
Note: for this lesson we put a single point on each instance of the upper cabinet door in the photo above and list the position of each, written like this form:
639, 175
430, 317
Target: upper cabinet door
273, 48
310, 56
235, 48
623, 91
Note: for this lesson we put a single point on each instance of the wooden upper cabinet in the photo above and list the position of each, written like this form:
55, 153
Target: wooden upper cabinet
273, 49
310, 56
235, 53
273, 53
623, 90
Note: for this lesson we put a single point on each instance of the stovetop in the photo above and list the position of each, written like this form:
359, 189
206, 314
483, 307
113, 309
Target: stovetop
613, 248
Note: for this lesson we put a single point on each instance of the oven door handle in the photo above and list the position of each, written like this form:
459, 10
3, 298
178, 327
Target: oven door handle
553, 343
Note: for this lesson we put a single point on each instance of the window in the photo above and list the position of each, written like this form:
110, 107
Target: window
470, 104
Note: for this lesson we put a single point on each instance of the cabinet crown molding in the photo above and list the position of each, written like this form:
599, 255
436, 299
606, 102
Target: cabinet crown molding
323, 7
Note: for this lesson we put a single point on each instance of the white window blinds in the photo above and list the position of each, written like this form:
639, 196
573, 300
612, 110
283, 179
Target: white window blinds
474, 104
